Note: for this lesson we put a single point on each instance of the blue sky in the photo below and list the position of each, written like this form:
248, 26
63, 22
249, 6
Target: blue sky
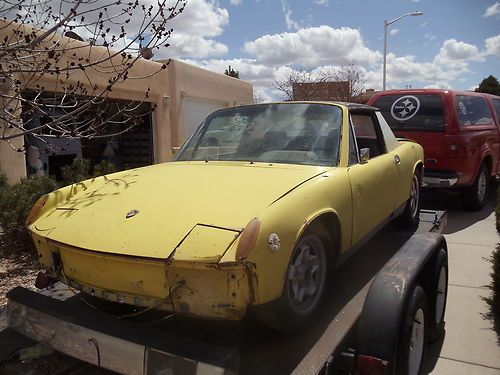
454, 44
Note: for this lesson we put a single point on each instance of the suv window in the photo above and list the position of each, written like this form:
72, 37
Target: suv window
496, 104
473, 110
412, 112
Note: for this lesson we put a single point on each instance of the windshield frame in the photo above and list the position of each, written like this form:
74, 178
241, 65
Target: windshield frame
328, 134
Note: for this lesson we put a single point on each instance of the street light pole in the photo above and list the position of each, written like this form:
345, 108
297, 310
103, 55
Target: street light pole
386, 24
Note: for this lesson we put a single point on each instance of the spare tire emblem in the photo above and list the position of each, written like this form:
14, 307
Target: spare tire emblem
131, 214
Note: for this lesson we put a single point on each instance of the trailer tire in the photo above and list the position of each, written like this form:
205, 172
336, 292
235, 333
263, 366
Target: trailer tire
413, 335
290, 312
411, 214
438, 295
474, 196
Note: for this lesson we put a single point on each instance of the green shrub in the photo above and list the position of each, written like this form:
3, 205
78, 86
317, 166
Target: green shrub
15, 203
81, 170
17, 200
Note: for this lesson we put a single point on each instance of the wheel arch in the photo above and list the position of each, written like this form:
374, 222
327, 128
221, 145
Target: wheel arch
328, 221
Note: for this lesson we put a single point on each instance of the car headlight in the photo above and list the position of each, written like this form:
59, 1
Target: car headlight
36, 209
248, 239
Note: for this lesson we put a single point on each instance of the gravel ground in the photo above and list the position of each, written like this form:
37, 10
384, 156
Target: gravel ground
16, 269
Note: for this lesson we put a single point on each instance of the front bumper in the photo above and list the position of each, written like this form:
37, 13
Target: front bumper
442, 179
205, 290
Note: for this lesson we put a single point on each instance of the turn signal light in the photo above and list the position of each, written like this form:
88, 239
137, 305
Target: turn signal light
248, 239
36, 209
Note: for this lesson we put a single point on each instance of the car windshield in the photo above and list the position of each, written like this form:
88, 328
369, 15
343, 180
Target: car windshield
293, 133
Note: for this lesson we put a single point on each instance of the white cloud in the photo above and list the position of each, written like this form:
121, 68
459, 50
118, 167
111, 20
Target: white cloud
493, 10
235, 2
394, 31
313, 46
415, 1
322, 2
455, 51
287, 12
439, 85
493, 45
195, 30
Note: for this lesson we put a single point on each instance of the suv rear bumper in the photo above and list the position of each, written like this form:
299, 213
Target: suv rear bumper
439, 178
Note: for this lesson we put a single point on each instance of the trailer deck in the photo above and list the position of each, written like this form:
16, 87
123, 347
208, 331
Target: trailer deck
153, 341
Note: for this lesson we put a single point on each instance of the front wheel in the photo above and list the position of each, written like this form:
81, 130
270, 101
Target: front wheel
474, 197
411, 215
305, 282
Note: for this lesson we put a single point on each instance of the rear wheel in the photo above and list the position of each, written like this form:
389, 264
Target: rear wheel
413, 337
410, 216
305, 282
437, 299
474, 197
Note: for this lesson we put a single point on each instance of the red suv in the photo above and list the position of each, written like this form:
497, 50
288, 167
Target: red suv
459, 131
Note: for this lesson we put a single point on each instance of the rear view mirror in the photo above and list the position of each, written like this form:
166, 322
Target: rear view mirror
364, 154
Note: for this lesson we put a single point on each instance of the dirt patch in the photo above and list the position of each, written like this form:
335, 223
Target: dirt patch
17, 268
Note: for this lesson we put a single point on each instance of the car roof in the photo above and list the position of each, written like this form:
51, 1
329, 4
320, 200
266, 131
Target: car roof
349, 105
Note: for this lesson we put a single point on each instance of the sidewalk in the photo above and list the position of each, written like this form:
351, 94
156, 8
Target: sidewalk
470, 345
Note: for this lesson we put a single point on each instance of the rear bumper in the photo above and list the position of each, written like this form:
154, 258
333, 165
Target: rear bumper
443, 179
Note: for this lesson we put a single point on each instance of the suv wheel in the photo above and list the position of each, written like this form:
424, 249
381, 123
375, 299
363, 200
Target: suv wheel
474, 197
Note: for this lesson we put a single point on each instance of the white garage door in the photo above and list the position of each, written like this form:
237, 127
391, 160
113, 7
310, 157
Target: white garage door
194, 112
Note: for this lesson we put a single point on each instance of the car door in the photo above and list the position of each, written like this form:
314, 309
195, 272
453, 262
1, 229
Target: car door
374, 183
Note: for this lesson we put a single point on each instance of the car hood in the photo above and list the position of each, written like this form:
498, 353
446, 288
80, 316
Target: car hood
152, 211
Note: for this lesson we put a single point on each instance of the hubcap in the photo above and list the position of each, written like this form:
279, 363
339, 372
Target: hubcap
417, 342
414, 196
306, 275
441, 295
481, 186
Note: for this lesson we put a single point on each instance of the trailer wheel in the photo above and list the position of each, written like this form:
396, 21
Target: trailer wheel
410, 216
437, 301
474, 197
305, 282
413, 335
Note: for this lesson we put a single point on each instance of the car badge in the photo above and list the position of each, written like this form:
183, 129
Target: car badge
131, 214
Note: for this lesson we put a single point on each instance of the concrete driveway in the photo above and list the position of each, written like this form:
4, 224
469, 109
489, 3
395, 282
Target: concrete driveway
470, 344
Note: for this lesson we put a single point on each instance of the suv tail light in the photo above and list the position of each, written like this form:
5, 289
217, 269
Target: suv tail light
456, 152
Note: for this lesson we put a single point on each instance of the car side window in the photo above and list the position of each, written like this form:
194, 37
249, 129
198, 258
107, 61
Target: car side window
496, 105
368, 133
473, 110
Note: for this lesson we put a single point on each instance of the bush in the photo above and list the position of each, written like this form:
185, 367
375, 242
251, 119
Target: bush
15, 203
17, 200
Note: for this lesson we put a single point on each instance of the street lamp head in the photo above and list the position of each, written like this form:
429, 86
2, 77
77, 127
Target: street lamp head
416, 13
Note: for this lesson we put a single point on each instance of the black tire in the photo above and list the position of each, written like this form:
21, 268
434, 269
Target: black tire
438, 292
413, 336
290, 312
411, 215
474, 196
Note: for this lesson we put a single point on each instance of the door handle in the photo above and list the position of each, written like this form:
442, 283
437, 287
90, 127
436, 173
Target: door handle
397, 159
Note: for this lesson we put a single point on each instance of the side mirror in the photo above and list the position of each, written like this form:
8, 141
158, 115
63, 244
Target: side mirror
364, 154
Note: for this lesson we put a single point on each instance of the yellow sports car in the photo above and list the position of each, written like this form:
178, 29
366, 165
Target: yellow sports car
253, 213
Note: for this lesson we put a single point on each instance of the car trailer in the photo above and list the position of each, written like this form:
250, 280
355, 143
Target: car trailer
384, 304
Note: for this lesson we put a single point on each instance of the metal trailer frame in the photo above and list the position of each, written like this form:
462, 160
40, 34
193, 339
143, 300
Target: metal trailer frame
130, 347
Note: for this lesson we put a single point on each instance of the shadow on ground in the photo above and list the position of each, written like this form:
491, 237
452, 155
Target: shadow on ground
458, 217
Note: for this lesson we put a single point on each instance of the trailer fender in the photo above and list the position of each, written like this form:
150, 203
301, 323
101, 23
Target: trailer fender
382, 317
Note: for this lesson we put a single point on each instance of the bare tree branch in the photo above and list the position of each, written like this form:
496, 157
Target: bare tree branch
343, 83
54, 55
